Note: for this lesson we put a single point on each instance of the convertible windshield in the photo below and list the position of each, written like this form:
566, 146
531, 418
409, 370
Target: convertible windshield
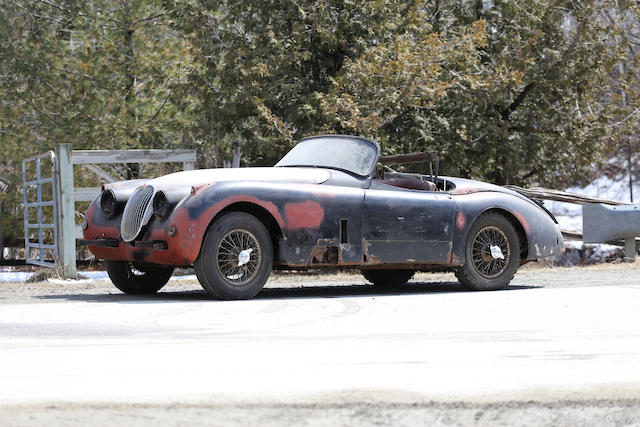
349, 154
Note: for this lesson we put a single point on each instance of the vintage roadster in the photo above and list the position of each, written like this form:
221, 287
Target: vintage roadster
331, 202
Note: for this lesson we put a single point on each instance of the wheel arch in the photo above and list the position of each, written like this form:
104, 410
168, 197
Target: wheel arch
260, 213
523, 239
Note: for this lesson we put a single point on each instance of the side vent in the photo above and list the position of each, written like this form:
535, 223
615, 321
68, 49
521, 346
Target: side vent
344, 226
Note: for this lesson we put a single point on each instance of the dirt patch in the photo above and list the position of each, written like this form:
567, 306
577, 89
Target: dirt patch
44, 275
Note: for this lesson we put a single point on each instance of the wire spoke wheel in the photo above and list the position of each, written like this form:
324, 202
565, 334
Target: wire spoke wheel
490, 252
238, 257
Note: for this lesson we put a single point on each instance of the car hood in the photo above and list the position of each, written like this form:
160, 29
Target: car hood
268, 174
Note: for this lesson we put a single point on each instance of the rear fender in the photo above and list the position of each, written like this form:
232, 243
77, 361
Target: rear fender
543, 237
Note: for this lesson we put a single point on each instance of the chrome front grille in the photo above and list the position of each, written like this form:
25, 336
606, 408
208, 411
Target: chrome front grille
137, 213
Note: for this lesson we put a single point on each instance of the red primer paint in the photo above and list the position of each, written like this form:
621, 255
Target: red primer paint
523, 221
464, 190
187, 244
183, 248
461, 221
307, 214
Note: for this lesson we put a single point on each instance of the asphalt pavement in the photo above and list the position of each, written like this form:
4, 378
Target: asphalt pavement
554, 338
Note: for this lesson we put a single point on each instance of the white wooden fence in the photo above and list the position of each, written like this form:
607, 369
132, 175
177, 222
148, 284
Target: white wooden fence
68, 195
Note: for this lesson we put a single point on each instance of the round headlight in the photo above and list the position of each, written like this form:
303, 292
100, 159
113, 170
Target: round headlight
161, 207
108, 204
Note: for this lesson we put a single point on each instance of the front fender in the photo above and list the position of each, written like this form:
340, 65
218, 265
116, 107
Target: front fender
304, 213
543, 235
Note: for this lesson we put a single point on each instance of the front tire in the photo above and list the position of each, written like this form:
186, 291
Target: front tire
236, 257
138, 278
388, 278
492, 254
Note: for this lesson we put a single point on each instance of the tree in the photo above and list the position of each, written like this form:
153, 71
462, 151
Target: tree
622, 145
266, 63
97, 74
507, 92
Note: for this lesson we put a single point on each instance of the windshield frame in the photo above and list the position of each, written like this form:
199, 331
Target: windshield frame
375, 145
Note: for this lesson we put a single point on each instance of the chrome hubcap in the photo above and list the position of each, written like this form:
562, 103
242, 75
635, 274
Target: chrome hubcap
490, 252
238, 257
244, 257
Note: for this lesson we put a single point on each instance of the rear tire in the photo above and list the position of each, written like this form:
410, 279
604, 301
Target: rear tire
236, 257
138, 278
482, 270
388, 278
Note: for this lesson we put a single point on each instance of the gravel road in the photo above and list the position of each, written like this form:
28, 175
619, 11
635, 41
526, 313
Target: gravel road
561, 346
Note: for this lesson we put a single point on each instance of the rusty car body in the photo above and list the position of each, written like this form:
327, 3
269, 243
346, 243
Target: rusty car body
325, 204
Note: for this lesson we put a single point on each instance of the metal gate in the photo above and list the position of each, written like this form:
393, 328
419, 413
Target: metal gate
49, 221
40, 236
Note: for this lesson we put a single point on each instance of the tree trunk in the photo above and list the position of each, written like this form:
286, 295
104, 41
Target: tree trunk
630, 168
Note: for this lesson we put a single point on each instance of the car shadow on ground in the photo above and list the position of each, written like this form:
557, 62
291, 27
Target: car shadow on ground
274, 292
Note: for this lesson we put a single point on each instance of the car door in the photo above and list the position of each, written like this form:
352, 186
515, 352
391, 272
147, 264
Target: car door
407, 226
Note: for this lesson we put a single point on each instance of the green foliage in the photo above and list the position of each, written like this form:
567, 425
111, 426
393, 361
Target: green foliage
266, 64
506, 93
101, 75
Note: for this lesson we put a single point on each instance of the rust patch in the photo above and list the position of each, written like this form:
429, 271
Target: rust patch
307, 214
465, 190
461, 221
450, 252
369, 259
523, 221
325, 253
330, 252
197, 188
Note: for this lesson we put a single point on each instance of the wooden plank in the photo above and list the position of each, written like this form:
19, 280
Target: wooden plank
66, 212
86, 194
100, 172
79, 233
540, 193
81, 157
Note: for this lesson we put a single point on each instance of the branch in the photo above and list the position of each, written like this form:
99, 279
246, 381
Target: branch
149, 18
54, 5
626, 118
516, 102
574, 43
534, 130
565, 56
527, 175
159, 109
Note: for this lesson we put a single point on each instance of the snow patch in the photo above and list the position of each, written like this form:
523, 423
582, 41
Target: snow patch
22, 276
603, 188
569, 218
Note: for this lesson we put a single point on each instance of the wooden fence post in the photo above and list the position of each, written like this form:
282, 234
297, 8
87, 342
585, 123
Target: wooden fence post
188, 166
66, 220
